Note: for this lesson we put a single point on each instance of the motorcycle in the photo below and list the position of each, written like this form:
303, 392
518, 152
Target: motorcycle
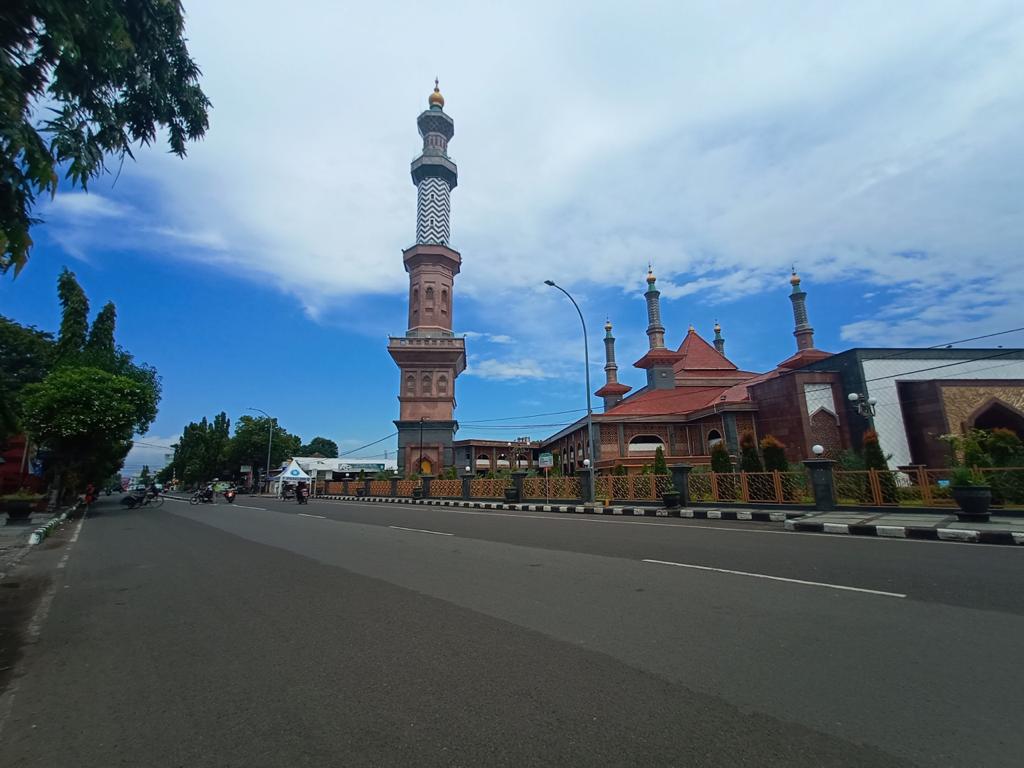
201, 497
132, 500
229, 494
302, 495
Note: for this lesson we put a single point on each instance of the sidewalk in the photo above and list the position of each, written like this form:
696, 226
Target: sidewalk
900, 524
896, 524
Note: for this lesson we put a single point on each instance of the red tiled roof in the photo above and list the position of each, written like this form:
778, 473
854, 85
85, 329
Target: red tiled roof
656, 357
665, 402
804, 357
613, 389
697, 355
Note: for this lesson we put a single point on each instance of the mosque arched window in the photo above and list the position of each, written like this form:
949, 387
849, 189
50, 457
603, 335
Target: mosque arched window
410, 385
714, 438
444, 300
425, 384
442, 385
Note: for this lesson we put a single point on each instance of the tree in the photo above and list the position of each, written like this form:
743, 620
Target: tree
750, 459
774, 453
85, 418
249, 444
660, 467
110, 72
202, 451
144, 476
26, 354
720, 459
74, 321
326, 448
84, 412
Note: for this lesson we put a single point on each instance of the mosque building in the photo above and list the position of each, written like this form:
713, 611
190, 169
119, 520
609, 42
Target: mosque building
694, 396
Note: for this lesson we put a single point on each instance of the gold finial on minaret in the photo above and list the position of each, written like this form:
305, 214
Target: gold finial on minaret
436, 98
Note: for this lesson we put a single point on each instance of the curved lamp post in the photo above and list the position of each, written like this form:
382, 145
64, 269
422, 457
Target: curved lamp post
586, 362
270, 441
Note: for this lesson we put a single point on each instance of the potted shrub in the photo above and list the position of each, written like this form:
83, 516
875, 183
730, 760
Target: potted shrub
20, 506
970, 493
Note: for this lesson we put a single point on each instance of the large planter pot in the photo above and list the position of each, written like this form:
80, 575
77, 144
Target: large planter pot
973, 501
512, 495
671, 499
19, 510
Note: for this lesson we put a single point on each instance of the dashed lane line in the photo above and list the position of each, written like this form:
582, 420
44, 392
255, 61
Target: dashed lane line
777, 578
420, 530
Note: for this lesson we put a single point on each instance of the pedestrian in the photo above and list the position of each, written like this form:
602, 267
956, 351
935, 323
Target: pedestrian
90, 495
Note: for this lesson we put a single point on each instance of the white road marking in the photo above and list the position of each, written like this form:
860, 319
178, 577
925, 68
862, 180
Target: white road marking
321, 517
777, 578
420, 530
243, 506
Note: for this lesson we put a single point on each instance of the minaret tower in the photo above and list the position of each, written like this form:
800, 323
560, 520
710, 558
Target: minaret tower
719, 339
612, 391
658, 361
429, 356
803, 331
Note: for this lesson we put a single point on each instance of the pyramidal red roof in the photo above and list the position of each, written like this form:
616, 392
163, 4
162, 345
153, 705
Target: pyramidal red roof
667, 402
697, 355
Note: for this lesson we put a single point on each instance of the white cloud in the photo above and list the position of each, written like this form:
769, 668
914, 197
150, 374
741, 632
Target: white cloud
722, 142
504, 370
76, 206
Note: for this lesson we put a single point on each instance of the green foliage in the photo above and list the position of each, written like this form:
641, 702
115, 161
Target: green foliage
851, 461
660, 466
144, 475
646, 469
85, 418
362, 474
965, 476
451, 474
74, 322
1004, 448
620, 470
750, 459
720, 459
774, 453
25, 356
326, 448
249, 444
111, 73
202, 451
100, 347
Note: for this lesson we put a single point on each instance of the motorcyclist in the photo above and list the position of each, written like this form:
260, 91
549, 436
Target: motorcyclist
208, 492
151, 490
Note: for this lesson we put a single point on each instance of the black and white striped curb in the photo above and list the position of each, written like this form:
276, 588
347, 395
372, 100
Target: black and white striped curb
50, 525
907, 532
589, 509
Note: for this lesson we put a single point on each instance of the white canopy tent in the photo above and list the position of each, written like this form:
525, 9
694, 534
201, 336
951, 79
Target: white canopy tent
293, 473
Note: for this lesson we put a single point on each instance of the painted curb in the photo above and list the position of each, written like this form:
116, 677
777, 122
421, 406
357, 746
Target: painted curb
49, 526
761, 516
907, 532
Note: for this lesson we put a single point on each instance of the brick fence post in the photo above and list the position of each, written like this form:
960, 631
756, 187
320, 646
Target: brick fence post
822, 483
681, 480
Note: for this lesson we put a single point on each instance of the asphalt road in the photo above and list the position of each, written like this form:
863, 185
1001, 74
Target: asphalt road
251, 635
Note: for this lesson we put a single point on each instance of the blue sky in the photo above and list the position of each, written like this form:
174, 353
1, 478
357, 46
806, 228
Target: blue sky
877, 147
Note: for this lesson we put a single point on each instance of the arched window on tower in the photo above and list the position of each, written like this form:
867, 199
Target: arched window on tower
410, 385
425, 384
714, 438
442, 385
444, 301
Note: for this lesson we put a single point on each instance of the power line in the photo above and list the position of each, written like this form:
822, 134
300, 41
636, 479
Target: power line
356, 450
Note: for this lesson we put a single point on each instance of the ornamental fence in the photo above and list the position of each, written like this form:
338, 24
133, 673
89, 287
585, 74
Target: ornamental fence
750, 487
537, 488
909, 487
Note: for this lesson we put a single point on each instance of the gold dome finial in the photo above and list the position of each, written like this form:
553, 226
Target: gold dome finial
692, 329
608, 324
718, 328
650, 274
436, 97
794, 278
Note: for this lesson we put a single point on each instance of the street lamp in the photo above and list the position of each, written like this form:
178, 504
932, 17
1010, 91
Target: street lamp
586, 363
865, 405
419, 461
270, 441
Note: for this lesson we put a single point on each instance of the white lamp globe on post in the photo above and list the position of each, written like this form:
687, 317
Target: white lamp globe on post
817, 450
